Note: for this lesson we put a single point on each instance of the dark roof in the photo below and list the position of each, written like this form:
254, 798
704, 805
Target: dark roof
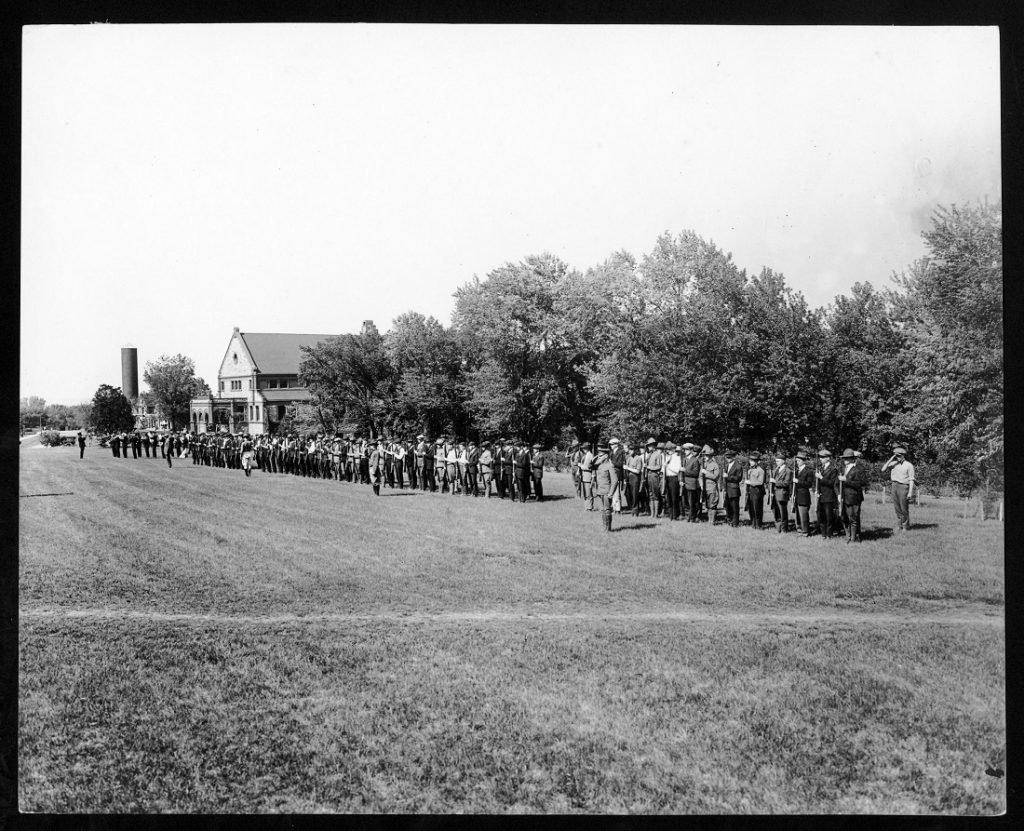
278, 354
289, 394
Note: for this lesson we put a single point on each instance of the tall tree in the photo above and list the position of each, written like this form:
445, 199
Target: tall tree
950, 307
32, 411
111, 412
524, 365
173, 384
429, 393
351, 379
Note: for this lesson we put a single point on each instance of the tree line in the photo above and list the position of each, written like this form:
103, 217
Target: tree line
682, 344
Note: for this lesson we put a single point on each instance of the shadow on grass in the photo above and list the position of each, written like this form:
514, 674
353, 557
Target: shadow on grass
876, 534
635, 527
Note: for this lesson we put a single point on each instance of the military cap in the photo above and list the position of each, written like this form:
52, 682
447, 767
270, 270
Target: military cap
780, 453
849, 454
802, 454
900, 450
420, 437
537, 446
613, 441
603, 448
668, 446
707, 450
754, 456
485, 444
662, 446
823, 453
689, 446
439, 442
650, 441
730, 454
585, 444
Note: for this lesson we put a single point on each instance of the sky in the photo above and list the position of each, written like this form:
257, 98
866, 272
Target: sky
181, 180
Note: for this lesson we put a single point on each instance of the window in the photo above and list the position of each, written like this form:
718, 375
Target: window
236, 385
257, 412
250, 383
273, 384
222, 386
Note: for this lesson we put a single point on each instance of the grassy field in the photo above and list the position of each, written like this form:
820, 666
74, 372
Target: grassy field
192, 640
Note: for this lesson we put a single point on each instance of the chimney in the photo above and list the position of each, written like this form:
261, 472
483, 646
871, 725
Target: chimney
130, 372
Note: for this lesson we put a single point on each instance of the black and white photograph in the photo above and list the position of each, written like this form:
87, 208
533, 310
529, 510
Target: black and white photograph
424, 418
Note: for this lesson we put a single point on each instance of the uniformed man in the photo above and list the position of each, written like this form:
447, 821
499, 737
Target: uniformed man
124, 445
781, 481
574, 456
586, 467
710, 474
901, 476
145, 443
853, 479
673, 466
618, 457
523, 469
754, 480
803, 484
827, 478
634, 470
605, 482
654, 468
508, 470
691, 470
733, 481
81, 445
537, 471
375, 465
486, 467
472, 470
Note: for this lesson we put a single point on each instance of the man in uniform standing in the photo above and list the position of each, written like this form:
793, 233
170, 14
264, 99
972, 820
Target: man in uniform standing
803, 483
755, 491
901, 475
522, 468
691, 470
618, 458
828, 478
710, 473
781, 481
605, 483
654, 466
733, 480
852, 481
634, 469
537, 471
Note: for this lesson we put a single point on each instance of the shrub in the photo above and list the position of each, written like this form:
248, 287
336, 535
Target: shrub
50, 438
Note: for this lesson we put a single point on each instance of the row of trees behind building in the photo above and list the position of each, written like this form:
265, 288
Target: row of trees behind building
683, 345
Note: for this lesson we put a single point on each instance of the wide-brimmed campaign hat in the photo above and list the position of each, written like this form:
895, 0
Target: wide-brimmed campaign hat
537, 446
650, 442
802, 455
754, 456
849, 454
613, 441
824, 454
900, 450
707, 450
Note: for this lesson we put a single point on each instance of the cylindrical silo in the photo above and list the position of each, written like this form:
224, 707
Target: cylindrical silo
130, 372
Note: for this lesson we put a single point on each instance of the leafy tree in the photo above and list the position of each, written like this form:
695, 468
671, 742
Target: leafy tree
351, 379
429, 392
173, 384
304, 419
524, 366
62, 417
949, 306
111, 412
32, 411
859, 381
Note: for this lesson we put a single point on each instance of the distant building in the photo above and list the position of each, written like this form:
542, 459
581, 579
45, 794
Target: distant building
257, 381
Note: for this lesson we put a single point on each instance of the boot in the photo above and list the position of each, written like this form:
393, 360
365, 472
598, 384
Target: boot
606, 520
376, 490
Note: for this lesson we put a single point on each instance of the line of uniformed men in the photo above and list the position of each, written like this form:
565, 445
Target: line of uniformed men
515, 469
140, 442
662, 479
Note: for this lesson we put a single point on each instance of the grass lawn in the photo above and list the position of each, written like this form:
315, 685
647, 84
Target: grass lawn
192, 640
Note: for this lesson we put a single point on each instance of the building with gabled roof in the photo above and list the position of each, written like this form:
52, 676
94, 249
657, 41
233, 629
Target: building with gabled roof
257, 381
